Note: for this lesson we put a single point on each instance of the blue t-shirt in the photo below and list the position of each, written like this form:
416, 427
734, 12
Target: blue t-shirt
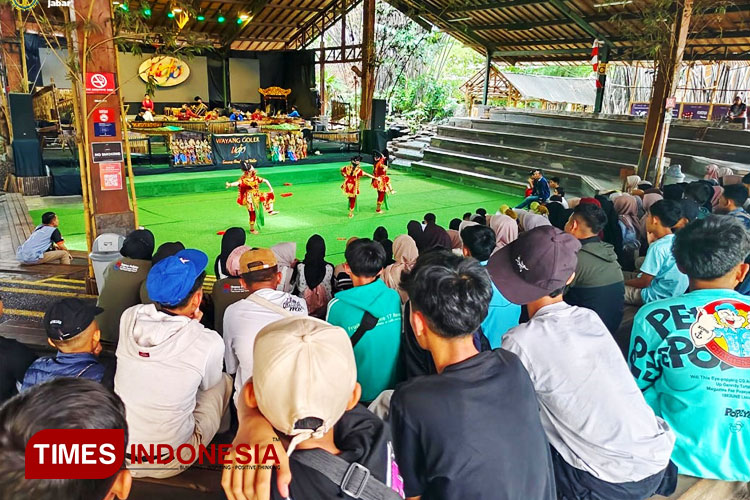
690, 356
660, 263
742, 216
501, 317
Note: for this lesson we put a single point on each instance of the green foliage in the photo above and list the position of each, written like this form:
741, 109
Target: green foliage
423, 99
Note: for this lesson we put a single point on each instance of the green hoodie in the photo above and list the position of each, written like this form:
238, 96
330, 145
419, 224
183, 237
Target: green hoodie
377, 352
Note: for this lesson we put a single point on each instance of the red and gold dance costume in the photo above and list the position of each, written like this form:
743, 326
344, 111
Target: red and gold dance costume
352, 173
381, 182
251, 198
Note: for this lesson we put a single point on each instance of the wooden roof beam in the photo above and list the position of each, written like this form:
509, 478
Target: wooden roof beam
493, 6
580, 21
253, 9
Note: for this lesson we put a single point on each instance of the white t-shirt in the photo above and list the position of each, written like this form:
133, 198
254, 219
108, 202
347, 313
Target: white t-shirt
242, 322
162, 363
591, 408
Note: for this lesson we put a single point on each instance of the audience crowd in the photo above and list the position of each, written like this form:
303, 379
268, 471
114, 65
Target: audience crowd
590, 348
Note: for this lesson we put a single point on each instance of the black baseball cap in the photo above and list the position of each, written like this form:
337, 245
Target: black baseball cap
69, 317
539, 262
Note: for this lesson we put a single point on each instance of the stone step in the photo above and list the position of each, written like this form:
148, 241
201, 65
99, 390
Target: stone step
474, 179
545, 143
575, 184
534, 159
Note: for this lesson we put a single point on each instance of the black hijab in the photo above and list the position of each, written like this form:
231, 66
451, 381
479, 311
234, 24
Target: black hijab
315, 264
380, 234
414, 229
435, 237
233, 237
612, 232
139, 244
558, 214
167, 250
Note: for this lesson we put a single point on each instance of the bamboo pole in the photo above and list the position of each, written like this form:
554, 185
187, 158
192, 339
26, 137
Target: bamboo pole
71, 38
126, 140
85, 128
22, 37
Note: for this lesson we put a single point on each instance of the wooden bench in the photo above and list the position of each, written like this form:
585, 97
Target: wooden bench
15, 224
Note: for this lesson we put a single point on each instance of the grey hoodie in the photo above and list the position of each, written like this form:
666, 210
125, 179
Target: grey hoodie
162, 362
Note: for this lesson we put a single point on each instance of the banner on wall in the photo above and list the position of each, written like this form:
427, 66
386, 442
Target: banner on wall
165, 71
232, 149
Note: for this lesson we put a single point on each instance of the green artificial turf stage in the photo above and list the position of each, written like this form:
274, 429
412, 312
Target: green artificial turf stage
321, 208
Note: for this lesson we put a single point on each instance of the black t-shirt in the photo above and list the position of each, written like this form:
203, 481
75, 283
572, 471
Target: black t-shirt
737, 109
472, 431
55, 238
363, 438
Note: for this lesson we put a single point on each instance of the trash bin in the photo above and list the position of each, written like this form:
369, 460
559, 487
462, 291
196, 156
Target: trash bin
106, 249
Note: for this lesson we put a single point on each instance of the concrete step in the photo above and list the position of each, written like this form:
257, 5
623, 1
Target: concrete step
582, 147
575, 183
474, 179
579, 164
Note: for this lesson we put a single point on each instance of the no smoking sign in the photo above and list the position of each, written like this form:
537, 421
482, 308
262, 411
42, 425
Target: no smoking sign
100, 83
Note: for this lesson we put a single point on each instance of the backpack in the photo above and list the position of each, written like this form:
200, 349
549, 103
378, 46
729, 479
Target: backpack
317, 301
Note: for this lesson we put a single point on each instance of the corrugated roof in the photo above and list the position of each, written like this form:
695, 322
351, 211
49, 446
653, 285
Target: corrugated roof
554, 88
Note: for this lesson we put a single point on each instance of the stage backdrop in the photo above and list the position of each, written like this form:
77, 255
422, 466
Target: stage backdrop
231, 149
133, 87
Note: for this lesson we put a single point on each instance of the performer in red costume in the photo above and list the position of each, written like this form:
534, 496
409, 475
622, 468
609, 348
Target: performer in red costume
380, 180
352, 173
147, 103
251, 197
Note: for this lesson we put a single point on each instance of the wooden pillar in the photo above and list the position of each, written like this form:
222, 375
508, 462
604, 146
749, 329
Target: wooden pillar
11, 49
368, 62
667, 76
487, 70
343, 24
22, 40
96, 51
601, 78
322, 74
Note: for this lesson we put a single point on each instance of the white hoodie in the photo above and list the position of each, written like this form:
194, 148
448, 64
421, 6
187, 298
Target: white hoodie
162, 362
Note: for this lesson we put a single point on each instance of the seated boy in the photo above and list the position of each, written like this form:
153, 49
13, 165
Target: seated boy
377, 349
64, 403
479, 242
73, 331
305, 384
169, 365
689, 353
659, 277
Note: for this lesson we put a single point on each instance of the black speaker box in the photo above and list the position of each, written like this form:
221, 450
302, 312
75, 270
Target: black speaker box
22, 116
378, 114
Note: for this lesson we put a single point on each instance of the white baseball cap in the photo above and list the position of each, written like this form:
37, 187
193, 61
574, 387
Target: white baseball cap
303, 368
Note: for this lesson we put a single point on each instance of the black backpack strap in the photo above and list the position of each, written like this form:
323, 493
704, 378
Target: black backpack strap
354, 479
368, 323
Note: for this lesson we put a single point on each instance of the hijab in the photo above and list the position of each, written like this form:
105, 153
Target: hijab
167, 250
465, 224
631, 183
712, 172
388, 247
649, 199
232, 238
455, 237
506, 230
233, 261
414, 229
611, 233
139, 244
724, 171
533, 221
285, 252
405, 254
315, 264
718, 191
435, 236
626, 207
558, 215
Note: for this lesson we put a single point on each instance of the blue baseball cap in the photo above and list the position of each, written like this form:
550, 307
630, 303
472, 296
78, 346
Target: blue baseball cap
170, 280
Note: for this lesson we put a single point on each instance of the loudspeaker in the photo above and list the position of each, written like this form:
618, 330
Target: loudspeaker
378, 114
22, 115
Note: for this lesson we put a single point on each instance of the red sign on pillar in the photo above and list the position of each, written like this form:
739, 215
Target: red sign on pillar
110, 176
100, 83
104, 115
